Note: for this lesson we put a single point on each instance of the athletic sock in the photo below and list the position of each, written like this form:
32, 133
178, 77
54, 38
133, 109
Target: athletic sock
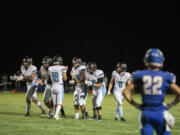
117, 113
40, 106
58, 109
120, 111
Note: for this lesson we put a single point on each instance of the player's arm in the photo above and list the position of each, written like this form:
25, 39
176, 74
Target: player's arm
127, 92
129, 82
99, 82
176, 89
72, 75
30, 78
110, 85
64, 77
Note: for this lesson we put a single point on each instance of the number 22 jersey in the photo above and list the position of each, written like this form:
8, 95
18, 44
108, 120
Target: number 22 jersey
153, 86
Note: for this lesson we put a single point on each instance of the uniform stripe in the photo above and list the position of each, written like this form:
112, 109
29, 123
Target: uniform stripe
103, 90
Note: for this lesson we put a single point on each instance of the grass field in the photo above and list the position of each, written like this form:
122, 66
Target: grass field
13, 121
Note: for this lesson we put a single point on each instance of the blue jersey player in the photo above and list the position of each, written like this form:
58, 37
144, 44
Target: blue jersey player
153, 83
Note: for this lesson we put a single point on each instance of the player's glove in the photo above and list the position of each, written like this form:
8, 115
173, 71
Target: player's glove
109, 93
16, 78
19, 78
88, 83
71, 82
169, 118
13, 78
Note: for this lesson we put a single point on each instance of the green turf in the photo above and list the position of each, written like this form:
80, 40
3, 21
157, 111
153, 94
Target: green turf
13, 121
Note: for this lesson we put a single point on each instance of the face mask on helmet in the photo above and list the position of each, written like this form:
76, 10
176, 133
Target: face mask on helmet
121, 67
27, 61
47, 61
92, 68
76, 61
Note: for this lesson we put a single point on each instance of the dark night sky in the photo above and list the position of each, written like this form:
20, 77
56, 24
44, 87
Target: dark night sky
104, 31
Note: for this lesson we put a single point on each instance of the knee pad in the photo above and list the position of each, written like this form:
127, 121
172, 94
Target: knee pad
76, 106
98, 108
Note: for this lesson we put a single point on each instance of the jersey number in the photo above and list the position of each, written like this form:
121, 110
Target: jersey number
152, 85
120, 84
55, 76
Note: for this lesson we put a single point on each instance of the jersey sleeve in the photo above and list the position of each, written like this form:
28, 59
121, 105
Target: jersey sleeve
171, 78
100, 74
34, 69
113, 74
129, 77
136, 76
22, 69
64, 69
83, 69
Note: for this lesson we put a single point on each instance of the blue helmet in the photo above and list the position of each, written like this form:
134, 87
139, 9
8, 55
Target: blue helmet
154, 57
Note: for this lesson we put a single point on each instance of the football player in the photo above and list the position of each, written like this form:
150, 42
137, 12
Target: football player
78, 74
153, 83
120, 77
95, 79
47, 98
29, 74
57, 74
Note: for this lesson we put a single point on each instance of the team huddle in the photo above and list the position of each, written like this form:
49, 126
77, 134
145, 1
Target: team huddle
153, 83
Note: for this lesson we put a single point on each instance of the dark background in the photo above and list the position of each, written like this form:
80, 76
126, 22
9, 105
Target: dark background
103, 31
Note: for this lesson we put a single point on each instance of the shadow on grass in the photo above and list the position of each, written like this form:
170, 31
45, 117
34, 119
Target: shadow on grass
19, 114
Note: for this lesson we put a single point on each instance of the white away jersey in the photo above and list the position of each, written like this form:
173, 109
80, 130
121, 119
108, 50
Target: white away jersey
77, 70
97, 75
56, 73
28, 72
44, 72
45, 75
120, 81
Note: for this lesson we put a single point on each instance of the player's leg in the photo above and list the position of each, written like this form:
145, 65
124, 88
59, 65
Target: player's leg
60, 97
146, 127
98, 106
94, 106
34, 98
55, 107
48, 100
62, 112
82, 102
116, 96
58, 105
85, 106
160, 124
86, 111
119, 98
47, 97
62, 107
53, 95
76, 104
28, 101
101, 93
